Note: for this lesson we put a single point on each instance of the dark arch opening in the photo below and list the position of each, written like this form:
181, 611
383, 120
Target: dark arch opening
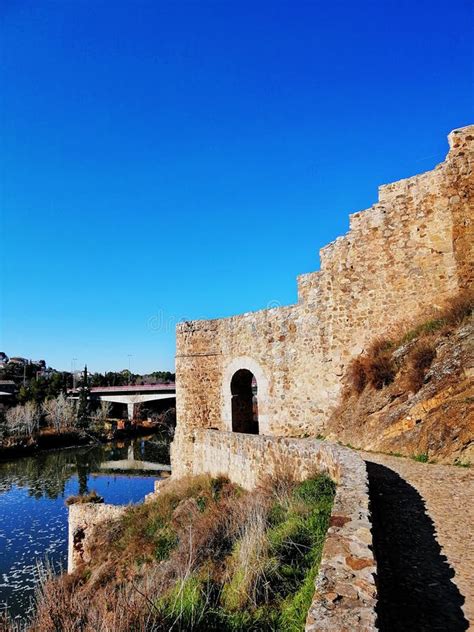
243, 387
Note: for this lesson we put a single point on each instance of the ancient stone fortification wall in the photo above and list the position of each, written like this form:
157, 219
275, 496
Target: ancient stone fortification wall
345, 588
410, 251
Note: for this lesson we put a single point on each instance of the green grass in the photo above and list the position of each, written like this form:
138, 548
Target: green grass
284, 573
317, 495
294, 609
421, 458
185, 603
428, 327
165, 541
459, 463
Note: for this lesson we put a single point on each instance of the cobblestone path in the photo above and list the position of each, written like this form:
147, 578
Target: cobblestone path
423, 519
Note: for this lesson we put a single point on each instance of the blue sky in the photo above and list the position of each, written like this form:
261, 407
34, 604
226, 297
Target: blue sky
170, 160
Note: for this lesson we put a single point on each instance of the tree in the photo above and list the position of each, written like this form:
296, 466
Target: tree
56, 384
97, 379
38, 389
23, 420
100, 416
60, 412
83, 408
23, 394
163, 376
32, 417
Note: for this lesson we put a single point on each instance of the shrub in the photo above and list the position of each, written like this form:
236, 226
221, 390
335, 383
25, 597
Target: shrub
357, 377
418, 362
422, 355
166, 540
380, 369
91, 497
421, 458
376, 367
458, 308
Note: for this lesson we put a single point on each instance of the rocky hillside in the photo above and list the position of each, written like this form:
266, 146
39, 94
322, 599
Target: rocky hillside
413, 393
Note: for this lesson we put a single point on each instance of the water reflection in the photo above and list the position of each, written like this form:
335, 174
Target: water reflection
33, 518
46, 474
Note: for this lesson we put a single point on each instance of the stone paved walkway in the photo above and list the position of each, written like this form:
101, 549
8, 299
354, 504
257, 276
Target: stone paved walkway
421, 513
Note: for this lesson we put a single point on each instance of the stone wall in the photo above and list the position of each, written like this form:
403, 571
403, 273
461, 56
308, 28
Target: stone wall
410, 251
83, 519
345, 594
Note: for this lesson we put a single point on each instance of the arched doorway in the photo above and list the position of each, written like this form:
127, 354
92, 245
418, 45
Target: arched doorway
243, 388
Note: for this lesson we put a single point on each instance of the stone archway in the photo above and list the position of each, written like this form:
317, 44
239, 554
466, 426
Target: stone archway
244, 389
245, 397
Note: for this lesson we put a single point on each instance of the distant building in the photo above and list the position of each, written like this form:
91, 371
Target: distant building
18, 360
45, 372
7, 387
7, 393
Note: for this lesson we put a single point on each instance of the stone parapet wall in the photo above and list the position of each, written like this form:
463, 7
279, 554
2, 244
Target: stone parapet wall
409, 252
345, 596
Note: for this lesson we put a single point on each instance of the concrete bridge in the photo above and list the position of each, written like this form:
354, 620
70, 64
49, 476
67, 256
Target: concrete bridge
130, 395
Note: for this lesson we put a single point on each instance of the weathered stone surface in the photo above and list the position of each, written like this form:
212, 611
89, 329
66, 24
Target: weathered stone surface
83, 519
409, 252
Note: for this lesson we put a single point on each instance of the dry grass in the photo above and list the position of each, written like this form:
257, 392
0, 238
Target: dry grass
250, 563
379, 365
356, 377
458, 308
418, 361
204, 556
91, 497
376, 367
63, 605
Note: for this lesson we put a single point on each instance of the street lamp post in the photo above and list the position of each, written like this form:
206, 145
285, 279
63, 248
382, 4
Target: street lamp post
73, 371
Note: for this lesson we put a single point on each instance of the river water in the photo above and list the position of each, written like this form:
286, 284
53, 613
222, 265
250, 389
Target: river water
33, 516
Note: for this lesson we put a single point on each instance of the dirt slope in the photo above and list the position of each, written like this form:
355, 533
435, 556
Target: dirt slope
437, 420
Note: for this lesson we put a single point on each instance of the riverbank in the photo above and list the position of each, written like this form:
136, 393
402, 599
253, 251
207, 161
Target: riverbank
48, 440
33, 514
206, 553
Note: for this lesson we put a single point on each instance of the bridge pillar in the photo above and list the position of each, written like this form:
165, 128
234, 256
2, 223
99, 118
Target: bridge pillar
130, 411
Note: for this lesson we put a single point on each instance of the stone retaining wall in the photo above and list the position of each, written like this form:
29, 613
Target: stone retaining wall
345, 596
